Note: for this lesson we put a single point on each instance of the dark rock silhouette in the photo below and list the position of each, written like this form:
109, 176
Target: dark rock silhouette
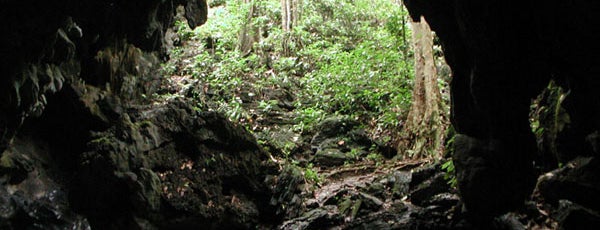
502, 54
81, 147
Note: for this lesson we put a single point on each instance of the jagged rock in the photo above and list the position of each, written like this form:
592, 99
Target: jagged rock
421, 174
357, 205
400, 181
376, 189
500, 167
333, 127
168, 160
428, 189
573, 216
286, 192
283, 141
573, 190
443, 200
195, 13
391, 219
577, 181
32, 194
282, 96
324, 217
49, 211
372, 203
495, 76
339, 140
330, 157
99, 42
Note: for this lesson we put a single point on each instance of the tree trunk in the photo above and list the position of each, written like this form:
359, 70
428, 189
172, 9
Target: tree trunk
250, 33
290, 14
285, 15
423, 133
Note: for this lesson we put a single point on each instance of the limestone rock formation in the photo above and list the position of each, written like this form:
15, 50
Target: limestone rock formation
172, 167
81, 147
502, 54
46, 45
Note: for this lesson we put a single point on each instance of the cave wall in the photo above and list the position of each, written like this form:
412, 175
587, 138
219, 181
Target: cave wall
81, 144
502, 54
46, 45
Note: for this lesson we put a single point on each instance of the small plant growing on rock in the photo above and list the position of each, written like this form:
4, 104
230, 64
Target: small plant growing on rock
450, 177
311, 175
375, 157
267, 106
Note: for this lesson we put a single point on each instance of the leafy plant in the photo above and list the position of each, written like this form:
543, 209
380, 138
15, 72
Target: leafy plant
375, 157
450, 175
183, 30
267, 106
345, 57
311, 175
548, 119
354, 153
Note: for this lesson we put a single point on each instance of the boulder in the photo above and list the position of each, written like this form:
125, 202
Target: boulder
172, 159
339, 140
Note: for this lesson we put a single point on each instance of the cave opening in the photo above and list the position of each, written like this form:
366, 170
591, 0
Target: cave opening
292, 114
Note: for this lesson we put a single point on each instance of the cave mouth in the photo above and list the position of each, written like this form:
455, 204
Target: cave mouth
282, 114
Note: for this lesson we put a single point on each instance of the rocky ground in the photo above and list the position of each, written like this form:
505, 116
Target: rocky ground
92, 160
337, 176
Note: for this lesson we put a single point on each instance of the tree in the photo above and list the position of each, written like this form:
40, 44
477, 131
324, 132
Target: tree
290, 14
250, 32
424, 129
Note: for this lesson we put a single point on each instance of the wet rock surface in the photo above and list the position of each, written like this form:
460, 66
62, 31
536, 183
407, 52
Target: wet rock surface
33, 194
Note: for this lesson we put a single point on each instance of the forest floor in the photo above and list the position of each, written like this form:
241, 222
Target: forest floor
332, 169
336, 175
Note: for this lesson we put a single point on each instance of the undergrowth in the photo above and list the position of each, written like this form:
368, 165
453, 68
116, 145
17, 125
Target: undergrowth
347, 57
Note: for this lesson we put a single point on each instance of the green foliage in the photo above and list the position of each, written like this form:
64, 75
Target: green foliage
548, 119
215, 3
397, 26
308, 117
183, 30
358, 67
346, 57
548, 116
448, 166
234, 110
354, 153
311, 175
267, 106
375, 157
371, 80
450, 175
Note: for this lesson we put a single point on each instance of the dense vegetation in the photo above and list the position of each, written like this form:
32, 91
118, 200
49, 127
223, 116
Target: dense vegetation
349, 59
